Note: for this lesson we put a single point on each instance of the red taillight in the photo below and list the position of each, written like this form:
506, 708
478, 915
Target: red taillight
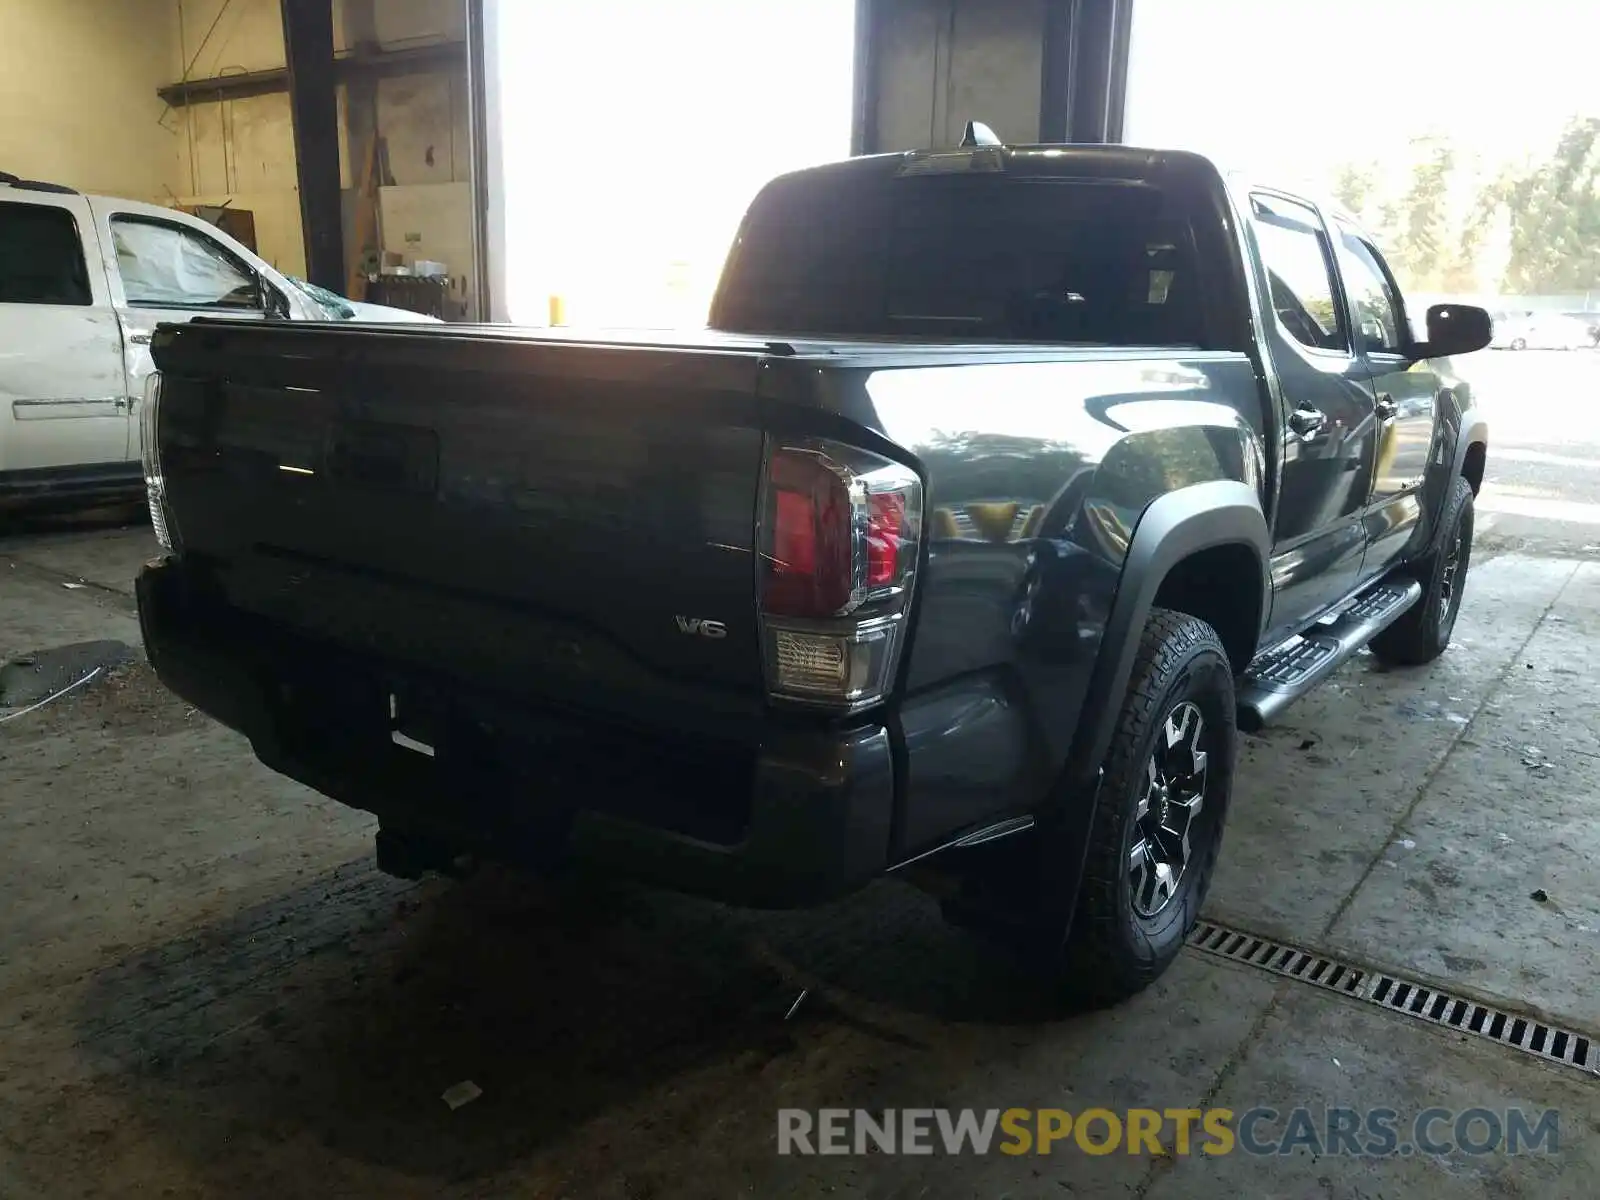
810, 569
838, 553
886, 530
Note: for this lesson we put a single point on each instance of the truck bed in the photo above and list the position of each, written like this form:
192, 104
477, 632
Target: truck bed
524, 514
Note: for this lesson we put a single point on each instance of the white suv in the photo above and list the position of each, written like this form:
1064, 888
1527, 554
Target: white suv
84, 280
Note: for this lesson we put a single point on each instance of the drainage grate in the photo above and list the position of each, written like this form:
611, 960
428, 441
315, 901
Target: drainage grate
1407, 996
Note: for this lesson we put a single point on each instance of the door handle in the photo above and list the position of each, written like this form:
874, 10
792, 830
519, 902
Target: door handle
1306, 422
1387, 409
139, 339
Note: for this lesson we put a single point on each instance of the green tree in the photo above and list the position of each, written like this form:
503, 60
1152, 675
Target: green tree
1421, 242
1462, 274
1354, 185
1555, 217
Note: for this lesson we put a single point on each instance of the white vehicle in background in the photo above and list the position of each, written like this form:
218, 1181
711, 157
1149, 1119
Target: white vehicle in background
341, 308
84, 280
1541, 331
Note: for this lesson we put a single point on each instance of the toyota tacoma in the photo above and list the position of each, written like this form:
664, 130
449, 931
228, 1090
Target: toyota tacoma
1006, 485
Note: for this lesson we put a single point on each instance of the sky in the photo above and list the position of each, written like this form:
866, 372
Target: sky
1285, 87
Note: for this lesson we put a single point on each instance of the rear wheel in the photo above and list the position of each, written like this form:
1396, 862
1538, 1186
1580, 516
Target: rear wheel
1423, 632
1157, 825
1154, 834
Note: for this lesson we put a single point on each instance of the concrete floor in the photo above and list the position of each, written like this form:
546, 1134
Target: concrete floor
206, 989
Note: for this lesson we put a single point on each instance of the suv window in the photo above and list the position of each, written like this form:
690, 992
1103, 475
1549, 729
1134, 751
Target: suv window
1372, 294
968, 256
41, 256
170, 266
1294, 250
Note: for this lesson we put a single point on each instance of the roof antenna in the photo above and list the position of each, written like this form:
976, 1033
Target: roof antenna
979, 134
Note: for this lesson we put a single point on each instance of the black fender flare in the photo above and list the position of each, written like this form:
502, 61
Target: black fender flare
1174, 526
1473, 428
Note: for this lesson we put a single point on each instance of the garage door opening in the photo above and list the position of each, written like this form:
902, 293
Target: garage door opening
631, 137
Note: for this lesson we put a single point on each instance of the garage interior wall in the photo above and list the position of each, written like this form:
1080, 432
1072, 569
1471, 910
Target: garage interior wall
78, 82
241, 151
117, 137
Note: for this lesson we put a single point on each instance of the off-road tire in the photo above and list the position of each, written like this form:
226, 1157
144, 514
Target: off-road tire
1111, 951
1423, 632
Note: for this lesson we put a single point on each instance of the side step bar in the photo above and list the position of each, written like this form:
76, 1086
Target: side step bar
1281, 675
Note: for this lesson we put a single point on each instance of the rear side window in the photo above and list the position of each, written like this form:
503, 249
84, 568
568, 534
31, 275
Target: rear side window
1380, 325
973, 257
1299, 263
169, 266
41, 256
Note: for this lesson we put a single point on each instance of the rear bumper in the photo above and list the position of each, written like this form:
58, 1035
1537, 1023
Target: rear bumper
801, 817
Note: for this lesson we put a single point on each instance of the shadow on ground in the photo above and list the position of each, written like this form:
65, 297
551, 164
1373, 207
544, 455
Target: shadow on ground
341, 1011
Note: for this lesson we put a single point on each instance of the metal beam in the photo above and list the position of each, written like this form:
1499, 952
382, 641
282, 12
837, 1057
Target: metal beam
1117, 75
864, 102
1061, 28
314, 106
481, 301
1091, 47
347, 68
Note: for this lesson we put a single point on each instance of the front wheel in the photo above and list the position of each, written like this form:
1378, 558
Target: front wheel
1424, 631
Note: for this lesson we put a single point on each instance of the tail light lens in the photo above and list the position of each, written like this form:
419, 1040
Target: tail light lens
839, 539
150, 459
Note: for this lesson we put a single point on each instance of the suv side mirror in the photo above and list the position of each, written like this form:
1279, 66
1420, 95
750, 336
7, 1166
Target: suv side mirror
1455, 329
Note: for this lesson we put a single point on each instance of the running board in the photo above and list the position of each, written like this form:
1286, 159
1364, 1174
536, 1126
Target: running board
1280, 676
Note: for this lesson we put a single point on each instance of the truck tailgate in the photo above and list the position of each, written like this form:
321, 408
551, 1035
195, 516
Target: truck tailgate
554, 519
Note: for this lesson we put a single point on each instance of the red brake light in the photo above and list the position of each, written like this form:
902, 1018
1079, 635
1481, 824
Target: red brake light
886, 530
838, 541
809, 571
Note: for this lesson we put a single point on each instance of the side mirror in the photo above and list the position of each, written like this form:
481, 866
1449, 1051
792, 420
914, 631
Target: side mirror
1455, 329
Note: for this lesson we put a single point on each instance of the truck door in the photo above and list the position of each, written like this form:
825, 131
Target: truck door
64, 411
164, 270
1327, 419
1407, 399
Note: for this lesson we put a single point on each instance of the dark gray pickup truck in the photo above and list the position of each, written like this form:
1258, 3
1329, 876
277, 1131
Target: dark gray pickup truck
1007, 484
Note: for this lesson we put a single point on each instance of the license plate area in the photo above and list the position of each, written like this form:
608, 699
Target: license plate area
418, 721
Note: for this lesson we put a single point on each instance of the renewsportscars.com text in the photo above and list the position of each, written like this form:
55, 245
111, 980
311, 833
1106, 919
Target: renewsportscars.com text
1365, 1133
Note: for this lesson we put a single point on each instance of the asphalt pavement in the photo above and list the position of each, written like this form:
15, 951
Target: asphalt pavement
1542, 485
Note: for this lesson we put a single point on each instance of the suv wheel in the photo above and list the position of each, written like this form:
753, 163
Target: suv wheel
1423, 633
